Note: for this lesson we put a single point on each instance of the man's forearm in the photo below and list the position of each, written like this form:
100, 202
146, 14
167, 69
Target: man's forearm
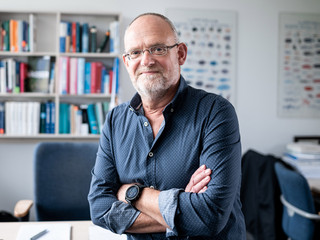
148, 203
145, 224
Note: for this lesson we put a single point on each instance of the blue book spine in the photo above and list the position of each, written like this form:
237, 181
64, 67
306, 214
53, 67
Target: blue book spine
48, 114
103, 79
64, 118
87, 79
93, 124
62, 36
80, 75
85, 38
78, 37
52, 117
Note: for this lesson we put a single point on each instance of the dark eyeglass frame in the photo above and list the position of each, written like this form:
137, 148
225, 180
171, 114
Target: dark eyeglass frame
139, 52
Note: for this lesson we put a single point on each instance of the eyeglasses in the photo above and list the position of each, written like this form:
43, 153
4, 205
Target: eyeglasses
159, 50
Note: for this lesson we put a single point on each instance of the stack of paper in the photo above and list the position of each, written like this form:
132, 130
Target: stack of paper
305, 157
61, 231
99, 233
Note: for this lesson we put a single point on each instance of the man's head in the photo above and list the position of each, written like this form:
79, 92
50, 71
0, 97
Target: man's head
153, 55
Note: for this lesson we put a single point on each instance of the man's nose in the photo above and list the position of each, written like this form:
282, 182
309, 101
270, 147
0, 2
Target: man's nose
147, 58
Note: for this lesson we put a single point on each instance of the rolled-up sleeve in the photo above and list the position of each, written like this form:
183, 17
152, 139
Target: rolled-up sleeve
209, 213
105, 209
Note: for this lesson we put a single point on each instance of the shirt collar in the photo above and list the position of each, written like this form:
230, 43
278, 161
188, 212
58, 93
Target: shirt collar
136, 103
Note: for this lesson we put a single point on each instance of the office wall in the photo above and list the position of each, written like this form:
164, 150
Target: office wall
257, 56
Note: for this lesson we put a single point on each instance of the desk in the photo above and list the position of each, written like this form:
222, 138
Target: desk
80, 229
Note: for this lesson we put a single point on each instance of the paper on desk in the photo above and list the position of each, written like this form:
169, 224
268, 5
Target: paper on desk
99, 233
61, 231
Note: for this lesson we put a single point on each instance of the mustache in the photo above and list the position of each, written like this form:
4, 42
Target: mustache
141, 70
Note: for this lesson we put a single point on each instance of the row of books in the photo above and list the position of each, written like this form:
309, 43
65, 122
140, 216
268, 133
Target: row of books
17, 35
76, 76
75, 37
36, 75
305, 157
82, 119
27, 118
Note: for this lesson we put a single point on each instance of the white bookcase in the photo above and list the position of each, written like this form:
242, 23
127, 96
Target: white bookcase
46, 43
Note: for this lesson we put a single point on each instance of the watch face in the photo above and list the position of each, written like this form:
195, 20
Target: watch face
132, 192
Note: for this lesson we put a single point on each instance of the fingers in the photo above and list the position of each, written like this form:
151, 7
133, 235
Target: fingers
201, 186
199, 180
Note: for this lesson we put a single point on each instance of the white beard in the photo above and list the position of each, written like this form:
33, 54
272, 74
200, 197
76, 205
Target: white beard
152, 87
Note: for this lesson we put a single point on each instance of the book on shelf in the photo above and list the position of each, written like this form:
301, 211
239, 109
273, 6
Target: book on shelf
80, 77
38, 74
93, 39
85, 38
2, 118
114, 37
63, 33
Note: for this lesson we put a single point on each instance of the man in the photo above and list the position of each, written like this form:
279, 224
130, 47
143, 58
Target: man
168, 164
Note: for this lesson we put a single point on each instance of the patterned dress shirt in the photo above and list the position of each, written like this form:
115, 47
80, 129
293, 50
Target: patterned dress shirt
198, 128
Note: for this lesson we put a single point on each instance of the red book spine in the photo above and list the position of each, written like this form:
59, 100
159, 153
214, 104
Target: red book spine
68, 75
23, 76
94, 77
74, 36
99, 69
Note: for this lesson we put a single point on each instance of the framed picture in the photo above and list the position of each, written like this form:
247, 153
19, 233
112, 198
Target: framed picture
210, 36
299, 65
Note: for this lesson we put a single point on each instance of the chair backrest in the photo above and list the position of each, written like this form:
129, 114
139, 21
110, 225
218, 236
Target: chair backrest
62, 178
296, 191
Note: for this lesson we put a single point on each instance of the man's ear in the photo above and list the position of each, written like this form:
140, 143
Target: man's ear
182, 53
125, 60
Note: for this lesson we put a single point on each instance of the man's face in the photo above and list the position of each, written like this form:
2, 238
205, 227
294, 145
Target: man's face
151, 75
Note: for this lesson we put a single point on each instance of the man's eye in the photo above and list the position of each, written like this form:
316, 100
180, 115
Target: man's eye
158, 49
135, 53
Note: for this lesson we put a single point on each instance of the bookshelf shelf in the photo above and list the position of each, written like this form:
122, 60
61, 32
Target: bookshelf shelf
46, 39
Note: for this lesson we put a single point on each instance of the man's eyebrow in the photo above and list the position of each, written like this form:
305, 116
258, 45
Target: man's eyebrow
153, 45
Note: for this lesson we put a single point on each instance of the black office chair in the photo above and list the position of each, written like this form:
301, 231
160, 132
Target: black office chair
62, 173
299, 218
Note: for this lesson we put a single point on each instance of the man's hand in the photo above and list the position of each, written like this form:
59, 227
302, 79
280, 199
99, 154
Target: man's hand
199, 180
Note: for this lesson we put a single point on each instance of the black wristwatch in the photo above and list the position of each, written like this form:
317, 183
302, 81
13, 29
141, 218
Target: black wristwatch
133, 193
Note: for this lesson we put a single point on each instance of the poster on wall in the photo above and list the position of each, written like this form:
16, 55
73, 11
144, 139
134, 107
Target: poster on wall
299, 65
210, 36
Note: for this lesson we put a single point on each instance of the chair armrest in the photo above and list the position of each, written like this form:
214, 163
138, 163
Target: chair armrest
22, 208
292, 210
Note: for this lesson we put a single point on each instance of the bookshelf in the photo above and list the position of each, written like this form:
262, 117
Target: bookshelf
53, 37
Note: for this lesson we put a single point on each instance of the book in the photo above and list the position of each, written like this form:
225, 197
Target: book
52, 77
80, 75
99, 115
87, 78
17, 78
23, 76
43, 116
114, 37
93, 39
85, 38
85, 120
38, 75
74, 36
93, 124
52, 117
2, 118
64, 118
3, 88
6, 37
32, 33
73, 75
63, 32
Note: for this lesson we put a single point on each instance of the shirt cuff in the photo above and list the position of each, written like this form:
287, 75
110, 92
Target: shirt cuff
168, 205
120, 217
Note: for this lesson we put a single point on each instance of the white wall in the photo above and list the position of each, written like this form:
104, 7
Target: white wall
261, 128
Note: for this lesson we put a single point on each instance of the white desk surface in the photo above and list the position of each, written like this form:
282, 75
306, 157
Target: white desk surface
79, 230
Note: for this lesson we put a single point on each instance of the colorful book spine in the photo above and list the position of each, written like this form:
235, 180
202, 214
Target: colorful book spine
85, 38
80, 76
93, 39
87, 79
2, 118
43, 116
93, 124
64, 118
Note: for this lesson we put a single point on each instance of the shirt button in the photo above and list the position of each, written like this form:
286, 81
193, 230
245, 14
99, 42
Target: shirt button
146, 124
171, 109
151, 154
152, 187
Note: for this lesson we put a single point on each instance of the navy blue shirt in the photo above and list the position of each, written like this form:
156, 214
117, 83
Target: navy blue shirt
198, 128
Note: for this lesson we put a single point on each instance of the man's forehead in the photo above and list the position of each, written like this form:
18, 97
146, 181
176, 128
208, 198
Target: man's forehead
148, 30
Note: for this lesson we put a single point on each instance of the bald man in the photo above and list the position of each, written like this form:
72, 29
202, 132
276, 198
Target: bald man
169, 161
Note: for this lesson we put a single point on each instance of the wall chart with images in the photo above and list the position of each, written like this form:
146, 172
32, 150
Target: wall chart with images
299, 65
211, 40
